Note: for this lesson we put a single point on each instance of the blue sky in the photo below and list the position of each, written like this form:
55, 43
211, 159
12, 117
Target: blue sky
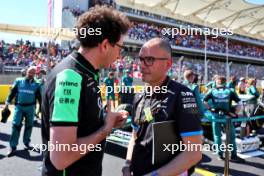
23, 12
32, 13
260, 2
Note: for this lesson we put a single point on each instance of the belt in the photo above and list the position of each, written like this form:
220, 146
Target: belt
26, 104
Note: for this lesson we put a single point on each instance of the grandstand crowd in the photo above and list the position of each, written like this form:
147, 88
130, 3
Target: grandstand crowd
144, 32
171, 20
26, 53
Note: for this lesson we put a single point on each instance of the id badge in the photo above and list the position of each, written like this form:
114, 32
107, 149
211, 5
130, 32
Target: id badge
148, 114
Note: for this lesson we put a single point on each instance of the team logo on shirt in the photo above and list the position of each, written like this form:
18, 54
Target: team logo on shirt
186, 94
189, 103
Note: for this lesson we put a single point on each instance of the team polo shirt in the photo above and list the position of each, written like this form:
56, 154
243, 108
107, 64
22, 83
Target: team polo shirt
72, 98
177, 104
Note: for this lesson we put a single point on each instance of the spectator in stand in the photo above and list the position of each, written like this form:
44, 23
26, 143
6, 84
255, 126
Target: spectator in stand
144, 31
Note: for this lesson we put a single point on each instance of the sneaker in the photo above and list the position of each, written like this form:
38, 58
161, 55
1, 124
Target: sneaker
35, 122
237, 159
28, 147
11, 152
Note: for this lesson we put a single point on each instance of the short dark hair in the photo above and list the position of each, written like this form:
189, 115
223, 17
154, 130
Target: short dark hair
111, 23
196, 78
165, 45
111, 73
222, 79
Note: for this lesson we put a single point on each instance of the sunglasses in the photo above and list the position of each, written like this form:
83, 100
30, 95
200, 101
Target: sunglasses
149, 60
123, 48
120, 46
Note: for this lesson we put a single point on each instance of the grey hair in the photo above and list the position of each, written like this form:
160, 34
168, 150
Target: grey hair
162, 43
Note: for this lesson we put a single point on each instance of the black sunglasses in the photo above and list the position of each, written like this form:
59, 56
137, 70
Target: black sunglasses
120, 46
149, 60
123, 49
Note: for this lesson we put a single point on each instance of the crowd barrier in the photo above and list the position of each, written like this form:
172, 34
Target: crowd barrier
4, 91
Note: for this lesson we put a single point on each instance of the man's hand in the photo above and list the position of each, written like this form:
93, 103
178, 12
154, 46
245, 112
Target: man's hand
114, 120
6, 106
122, 122
126, 171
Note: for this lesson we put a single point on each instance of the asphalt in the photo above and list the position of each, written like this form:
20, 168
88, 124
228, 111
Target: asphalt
28, 163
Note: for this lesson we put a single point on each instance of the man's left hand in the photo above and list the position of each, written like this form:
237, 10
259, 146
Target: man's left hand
122, 121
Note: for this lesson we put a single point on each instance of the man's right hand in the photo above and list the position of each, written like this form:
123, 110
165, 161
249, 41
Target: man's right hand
113, 120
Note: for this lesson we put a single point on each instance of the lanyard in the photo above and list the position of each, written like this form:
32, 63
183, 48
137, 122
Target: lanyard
96, 76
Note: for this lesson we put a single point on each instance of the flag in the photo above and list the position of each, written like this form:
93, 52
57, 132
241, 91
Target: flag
50, 3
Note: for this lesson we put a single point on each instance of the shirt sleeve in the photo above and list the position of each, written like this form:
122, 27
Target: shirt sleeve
208, 85
234, 96
105, 81
13, 92
187, 118
66, 98
198, 100
38, 93
208, 96
255, 92
262, 84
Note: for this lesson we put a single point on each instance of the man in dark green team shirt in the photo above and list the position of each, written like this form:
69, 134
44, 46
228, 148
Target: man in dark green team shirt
72, 106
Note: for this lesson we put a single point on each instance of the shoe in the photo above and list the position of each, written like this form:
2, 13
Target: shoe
28, 147
35, 122
237, 159
220, 158
11, 152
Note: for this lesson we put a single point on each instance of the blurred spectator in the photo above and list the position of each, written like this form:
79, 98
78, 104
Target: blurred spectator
27, 54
